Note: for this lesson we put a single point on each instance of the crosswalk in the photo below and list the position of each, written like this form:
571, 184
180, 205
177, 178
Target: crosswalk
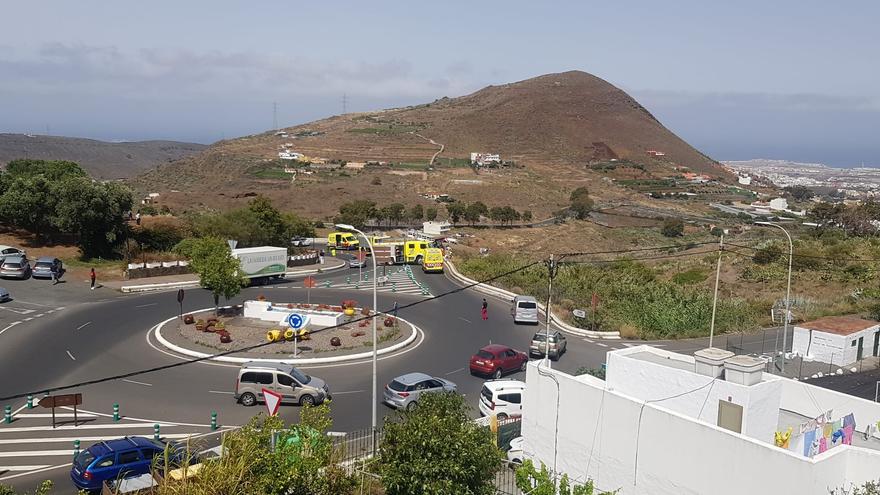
397, 279
30, 444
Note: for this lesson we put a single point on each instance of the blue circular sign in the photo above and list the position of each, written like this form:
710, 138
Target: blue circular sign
295, 321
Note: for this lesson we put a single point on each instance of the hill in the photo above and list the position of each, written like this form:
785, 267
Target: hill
561, 131
101, 159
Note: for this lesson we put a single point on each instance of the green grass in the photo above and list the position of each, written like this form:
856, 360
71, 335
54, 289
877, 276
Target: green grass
453, 162
689, 277
98, 264
269, 171
386, 129
410, 166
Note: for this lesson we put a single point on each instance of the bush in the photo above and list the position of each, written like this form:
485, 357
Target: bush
692, 276
767, 254
672, 227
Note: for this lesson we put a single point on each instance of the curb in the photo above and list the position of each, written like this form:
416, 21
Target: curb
229, 359
195, 283
506, 294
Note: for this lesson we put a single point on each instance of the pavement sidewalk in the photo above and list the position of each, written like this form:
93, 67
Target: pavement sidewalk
191, 279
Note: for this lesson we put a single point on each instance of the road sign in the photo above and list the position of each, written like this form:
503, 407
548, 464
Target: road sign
296, 321
273, 401
309, 282
180, 295
53, 401
579, 313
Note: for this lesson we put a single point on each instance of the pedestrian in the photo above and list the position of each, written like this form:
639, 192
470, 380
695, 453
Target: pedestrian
394, 311
92, 277
484, 312
321, 256
54, 272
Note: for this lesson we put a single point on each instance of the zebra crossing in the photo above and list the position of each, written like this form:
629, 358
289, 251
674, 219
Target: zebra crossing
397, 279
30, 444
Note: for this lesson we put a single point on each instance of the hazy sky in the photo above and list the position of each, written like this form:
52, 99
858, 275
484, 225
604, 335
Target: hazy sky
794, 79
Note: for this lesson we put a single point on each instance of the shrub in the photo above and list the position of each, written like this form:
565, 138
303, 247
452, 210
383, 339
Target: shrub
692, 276
672, 227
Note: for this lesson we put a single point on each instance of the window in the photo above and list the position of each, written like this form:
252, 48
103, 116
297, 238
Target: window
85, 458
254, 377
129, 457
285, 380
509, 353
434, 384
527, 305
301, 377
149, 454
422, 385
105, 462
514, 398
485, 355
852, 344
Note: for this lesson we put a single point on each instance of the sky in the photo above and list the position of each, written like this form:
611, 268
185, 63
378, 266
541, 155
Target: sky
797, 80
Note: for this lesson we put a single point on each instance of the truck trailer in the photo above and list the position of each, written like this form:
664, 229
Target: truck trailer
262, 264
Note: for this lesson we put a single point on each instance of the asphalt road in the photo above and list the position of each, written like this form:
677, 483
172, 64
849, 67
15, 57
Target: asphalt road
54, 336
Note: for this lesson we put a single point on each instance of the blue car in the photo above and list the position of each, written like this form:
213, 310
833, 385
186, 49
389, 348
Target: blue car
114, 459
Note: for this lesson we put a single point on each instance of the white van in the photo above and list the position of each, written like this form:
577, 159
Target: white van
502, 398
525, 310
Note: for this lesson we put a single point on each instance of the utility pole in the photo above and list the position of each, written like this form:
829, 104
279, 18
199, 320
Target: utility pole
275, 116
715, 298
552, 269
344, 103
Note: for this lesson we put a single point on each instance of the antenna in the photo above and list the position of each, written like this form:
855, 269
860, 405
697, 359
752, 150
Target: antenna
344, 103
274, 115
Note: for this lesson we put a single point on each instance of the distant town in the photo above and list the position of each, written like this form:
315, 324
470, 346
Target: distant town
856, 183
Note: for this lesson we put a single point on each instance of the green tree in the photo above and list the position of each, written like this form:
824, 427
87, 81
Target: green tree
28, 203
496, 214
396, 212
799, 193
51, 170
767, 254
218, 270
437, 450
672, 227
474, 211
581, 203
269, 222
527, 216
94, 212
455, 210
356, 213
430, 213
416, 213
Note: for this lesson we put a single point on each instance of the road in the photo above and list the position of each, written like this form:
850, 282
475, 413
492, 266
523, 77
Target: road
65, 334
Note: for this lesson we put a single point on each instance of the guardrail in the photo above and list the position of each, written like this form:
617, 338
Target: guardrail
508, 296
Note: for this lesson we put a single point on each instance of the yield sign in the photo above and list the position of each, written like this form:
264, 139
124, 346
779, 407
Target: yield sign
309, 282
273, 401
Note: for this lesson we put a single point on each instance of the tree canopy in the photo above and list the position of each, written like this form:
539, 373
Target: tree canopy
581, 203
258, 224
218, 270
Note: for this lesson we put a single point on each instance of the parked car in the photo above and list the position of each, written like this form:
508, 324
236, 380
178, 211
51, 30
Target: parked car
515, 454
293, 385
404, 391
10, 251
496, 360
301, 241
557, 345
123, 457
44, 266
4, 295
525, 310
16, 266
502, 398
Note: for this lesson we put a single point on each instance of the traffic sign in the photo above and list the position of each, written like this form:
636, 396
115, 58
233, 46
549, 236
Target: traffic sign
296, 321
309, 282
180, 295
273, 401
579, 313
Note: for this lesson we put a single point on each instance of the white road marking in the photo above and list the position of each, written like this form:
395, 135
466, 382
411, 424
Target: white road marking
601, 344
57, 415
143, 420
9, 326
137, 382
13, 441
32, 304
588, 340
456, 371
147, 305
220, 392
464, 319
349, 392
71, 356
50, 468
18, 311
28, 319
84, 325
38, 453
85, 427
23, 468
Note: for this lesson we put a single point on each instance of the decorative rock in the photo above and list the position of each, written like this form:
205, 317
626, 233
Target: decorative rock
335, 342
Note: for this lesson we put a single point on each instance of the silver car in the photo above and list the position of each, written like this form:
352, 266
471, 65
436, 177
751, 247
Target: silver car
4, 295
44, 266
404, 391
15, 267
10, 251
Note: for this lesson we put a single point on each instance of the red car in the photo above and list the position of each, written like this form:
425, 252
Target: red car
496, 360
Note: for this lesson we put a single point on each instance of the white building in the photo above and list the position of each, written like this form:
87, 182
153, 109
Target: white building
485, 158
744, 180
661, 424
434, 228
779, 204
839, 340
290, 155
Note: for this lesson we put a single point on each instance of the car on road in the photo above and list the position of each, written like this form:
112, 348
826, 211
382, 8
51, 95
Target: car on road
10, 251
525, 310
502, 398
16, 266
496, 360
292, 384
515, 454
555, 346
404, 391
123, 457
4, 295
44, 266
356, 263
301, 241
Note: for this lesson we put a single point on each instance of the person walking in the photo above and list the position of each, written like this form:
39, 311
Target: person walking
484, 312
54, 272
394, 311
321, 256
92, 276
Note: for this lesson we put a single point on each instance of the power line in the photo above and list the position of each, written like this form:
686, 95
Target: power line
636, 250
865, 260
255, 346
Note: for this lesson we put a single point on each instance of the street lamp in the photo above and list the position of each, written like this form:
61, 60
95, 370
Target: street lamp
787, 290
344, 226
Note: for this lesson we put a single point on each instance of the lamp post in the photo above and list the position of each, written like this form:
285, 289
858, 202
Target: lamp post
787, 290
344, 226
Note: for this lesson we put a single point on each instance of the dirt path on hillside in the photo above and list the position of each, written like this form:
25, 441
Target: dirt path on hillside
442, 146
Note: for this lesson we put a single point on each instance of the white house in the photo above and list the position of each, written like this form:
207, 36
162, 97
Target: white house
744, 180
668, 423
434, 228
839, 340
485, 158
779, 204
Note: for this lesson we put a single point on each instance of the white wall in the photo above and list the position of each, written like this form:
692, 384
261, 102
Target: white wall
622, 443
830, 347
811, 401
650, 381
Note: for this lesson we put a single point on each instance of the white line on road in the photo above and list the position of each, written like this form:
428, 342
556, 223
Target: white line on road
348, 392
83, 427
32, 304
23, 468
601, 344
9, 326
13, 441
147, 305
220, 392
84, 325
57, 415
453, 372
38, 453
49, 468
137, 382
71, 355
464, 319
144, 420
28, 319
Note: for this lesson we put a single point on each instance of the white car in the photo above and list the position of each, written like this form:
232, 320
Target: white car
502, 398
4, 295
10, 251
515, 454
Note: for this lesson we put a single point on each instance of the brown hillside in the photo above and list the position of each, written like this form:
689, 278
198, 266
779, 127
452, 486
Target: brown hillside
549, 124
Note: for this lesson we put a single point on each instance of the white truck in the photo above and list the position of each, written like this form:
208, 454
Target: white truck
262, 264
